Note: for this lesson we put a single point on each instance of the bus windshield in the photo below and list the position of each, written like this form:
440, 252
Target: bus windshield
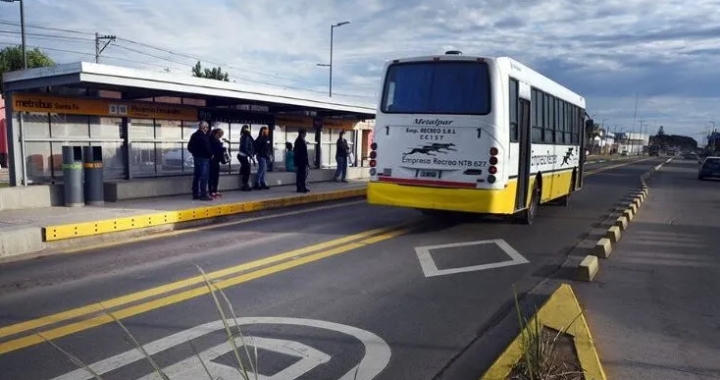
445, 87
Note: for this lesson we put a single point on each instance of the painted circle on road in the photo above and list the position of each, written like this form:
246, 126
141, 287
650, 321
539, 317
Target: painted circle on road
376, 358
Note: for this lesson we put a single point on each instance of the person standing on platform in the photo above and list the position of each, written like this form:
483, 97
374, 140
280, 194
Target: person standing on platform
199, 147
289, 157
246, 153
302, 162
218, 159
262, 152
341, 156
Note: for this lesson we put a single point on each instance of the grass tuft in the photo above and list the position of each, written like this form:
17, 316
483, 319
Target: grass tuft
539, 359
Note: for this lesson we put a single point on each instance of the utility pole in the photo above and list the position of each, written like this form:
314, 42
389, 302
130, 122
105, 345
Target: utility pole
637, 98
330, 65
22, 28
107, 39
642, 139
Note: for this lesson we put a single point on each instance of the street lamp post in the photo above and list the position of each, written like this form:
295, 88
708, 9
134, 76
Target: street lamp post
22, 28
330, 65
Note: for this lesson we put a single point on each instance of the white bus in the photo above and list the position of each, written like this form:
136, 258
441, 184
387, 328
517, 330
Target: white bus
475, 134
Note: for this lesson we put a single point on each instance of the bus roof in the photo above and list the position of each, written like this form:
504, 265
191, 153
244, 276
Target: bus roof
509, 67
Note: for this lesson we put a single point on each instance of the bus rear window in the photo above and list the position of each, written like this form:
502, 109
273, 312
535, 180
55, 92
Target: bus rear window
444, 87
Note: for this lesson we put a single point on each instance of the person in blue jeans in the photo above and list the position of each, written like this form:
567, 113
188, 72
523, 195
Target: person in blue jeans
199, 147
341, 156
262, 152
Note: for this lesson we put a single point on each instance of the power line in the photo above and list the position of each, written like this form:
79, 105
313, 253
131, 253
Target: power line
44, 28
47, 48
41, 35
166, 59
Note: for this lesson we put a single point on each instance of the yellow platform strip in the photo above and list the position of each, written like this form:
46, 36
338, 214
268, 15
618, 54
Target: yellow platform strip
98, 227
559, 313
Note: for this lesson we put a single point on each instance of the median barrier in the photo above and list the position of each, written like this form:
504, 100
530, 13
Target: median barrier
613, 233
590, 265
588, 268
603, 248
628, 213
632, 207
622, 222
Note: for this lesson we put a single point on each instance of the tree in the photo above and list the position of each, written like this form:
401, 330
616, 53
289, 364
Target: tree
661, 131
11, 59
214, 73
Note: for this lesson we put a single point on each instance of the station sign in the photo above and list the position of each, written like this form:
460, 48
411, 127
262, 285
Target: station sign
28, 102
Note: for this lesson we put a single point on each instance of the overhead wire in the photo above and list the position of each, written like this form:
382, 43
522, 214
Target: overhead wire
231, 68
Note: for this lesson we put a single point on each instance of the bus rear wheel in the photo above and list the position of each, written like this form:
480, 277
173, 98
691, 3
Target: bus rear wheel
527, 216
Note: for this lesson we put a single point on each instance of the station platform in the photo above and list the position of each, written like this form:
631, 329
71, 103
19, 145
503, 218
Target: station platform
35, 230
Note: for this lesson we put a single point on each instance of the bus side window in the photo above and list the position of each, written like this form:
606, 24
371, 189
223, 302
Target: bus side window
513, 108
537, 116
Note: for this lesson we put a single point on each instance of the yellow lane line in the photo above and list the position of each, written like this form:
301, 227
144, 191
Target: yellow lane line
76, 327
159, 290
614, 167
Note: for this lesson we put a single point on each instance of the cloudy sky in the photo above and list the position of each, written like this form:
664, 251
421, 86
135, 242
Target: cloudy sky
667, 51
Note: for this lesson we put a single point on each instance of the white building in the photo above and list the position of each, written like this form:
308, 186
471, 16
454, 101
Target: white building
633, 143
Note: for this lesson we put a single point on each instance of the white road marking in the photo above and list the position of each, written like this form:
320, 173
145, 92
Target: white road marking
192, 369
430, 269
377, 352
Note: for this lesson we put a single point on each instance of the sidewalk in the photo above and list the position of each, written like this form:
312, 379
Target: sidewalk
31, 230
653, 307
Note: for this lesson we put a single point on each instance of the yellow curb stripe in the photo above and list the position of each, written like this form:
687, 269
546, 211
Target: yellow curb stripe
559, 313
131, 311
163, 289
76, 230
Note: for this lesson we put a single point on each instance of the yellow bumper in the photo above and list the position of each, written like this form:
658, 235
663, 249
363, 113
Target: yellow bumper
464, 200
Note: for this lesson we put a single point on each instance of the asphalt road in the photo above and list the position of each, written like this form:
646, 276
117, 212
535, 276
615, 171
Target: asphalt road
653, 306
337, 297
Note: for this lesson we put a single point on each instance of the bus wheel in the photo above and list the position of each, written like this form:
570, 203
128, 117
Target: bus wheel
528, 216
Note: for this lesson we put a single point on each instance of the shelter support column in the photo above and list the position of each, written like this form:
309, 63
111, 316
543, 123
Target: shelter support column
317, 125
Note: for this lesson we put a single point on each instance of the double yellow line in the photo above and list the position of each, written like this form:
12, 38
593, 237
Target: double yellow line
95, 316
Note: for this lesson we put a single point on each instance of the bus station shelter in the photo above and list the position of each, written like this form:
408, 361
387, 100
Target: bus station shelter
144, 119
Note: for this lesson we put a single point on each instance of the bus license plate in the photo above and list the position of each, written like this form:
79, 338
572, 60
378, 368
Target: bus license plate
429, 173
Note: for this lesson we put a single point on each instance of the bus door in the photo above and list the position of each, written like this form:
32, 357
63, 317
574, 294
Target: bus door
524, 136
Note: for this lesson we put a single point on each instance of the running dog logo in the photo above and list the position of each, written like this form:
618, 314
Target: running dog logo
430, 150
567, 156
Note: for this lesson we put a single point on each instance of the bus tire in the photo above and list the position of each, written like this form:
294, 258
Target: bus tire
527, 216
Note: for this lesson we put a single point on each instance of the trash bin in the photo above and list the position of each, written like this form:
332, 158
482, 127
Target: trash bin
73, 176
94, 186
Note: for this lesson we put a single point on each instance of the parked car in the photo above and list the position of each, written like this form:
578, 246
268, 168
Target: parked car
710, 168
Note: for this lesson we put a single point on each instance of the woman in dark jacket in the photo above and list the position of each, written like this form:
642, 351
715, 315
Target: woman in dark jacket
218, 158
262, 152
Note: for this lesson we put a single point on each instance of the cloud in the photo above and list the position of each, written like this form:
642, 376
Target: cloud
667, 51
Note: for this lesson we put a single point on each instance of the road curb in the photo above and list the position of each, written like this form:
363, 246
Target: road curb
561, 312
588, 267
169, 219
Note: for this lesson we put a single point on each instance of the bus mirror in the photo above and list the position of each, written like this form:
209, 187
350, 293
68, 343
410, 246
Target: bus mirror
589, 123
